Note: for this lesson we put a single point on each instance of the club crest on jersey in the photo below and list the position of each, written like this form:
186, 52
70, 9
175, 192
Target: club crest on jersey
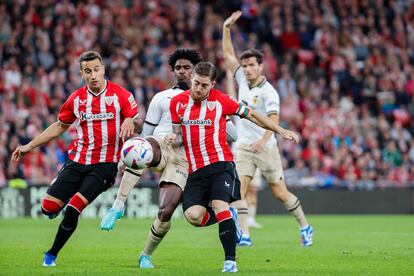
183, 105
211, 105
109, 100
82, 102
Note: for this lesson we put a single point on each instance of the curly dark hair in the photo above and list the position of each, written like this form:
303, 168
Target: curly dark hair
191, 55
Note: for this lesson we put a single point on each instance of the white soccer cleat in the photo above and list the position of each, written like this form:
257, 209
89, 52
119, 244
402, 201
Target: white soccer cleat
306, 235
229, 266
251, 222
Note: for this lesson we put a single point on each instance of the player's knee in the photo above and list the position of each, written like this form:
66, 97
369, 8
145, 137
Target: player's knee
193, 217
279, 193
50, 207
78, 203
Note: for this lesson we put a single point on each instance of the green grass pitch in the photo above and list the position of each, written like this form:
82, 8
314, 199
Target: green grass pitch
343, 245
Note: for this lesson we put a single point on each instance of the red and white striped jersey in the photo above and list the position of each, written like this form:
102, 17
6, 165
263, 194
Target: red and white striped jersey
203, 126
99, 122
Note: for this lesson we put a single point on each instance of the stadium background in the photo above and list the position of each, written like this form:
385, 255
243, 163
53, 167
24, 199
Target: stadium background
343, 69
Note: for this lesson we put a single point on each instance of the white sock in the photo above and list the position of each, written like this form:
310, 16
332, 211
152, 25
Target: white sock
118, 204
252, 212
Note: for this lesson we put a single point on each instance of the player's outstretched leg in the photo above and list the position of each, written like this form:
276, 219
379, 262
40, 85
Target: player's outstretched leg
228, 236
292, 204
66, 229
129, 180
169, 198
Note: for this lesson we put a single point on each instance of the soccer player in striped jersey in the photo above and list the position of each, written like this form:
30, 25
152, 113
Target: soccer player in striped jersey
106, 114
263, 153
171, 162
199, 123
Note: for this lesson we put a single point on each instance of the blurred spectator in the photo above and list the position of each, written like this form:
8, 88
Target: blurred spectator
343, 69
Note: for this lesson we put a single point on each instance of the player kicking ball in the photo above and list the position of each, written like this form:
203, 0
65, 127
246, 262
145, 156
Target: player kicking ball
170, 161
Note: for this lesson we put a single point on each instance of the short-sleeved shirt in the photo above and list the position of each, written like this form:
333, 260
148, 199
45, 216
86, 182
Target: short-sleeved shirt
99, 122
262, 98
203, 126
158, 114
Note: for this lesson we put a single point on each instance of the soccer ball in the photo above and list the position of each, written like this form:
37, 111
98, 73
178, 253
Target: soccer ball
136, 153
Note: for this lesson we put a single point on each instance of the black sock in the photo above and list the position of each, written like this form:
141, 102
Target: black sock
65, 230
227, 233
209, 217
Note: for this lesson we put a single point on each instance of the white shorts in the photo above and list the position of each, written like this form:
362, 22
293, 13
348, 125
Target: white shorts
173, 165
268, 162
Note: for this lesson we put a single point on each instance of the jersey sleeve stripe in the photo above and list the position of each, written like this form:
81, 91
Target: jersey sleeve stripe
64, 123
151, 124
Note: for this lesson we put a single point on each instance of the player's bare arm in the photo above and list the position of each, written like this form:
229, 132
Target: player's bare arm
53, 131
175, 138
267, 123
230, 58
259, 145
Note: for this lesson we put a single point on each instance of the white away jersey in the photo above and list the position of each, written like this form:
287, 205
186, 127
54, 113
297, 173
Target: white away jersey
264, 99
158, 114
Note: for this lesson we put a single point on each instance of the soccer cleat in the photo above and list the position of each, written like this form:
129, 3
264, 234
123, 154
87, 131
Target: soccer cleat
49, 260
145, 261
251, 222
108, 221
306, 235
239, 232
245, 241
229, 266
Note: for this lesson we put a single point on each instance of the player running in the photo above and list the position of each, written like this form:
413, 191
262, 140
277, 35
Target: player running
199, 122
263, 153
106, 114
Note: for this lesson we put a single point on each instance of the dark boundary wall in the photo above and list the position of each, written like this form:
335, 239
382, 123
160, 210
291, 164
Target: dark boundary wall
334, 201
142, 202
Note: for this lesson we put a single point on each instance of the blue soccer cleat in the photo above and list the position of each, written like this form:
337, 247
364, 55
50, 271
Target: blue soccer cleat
108, 221
145, 261
306, 235
245, 241
49, 260
229, 266
239, 232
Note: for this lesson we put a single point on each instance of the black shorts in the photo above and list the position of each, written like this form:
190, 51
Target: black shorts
215, 181
89, 180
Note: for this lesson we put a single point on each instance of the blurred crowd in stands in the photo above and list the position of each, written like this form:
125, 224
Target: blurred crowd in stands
344, 71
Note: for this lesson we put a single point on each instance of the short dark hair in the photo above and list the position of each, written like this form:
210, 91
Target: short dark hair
89, 55
191, 55
252, 53
206, 69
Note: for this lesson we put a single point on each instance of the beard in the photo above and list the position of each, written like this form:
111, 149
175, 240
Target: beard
183, 85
